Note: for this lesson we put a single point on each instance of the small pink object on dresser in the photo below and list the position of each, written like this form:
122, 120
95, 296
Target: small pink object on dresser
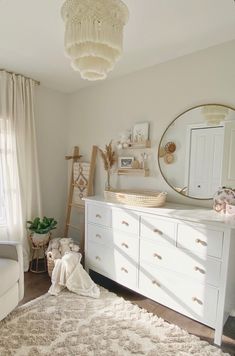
230, 209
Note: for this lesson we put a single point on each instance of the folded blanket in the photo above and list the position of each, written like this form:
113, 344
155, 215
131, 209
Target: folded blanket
68, 272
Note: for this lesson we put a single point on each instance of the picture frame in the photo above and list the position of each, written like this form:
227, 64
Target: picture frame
140, 132
125, 162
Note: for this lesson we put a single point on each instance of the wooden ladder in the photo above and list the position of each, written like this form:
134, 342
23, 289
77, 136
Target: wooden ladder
76, 157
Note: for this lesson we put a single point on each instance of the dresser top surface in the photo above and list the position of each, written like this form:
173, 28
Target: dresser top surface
176, 211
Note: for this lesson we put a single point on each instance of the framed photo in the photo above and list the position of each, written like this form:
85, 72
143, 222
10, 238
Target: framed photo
141, 132
125, 162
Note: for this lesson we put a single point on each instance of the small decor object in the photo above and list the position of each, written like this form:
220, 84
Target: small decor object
230, 209
135, 164
170, 147
224, 197
169, 158
162, 152
124, 140
125, 162
109, 158
94, 35
144, 157
141, 132
151, 199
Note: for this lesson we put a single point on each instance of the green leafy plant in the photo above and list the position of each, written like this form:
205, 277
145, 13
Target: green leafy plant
42, 226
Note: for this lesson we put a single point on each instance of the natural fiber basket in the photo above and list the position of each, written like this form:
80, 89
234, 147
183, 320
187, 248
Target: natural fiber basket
150, 199
50, 263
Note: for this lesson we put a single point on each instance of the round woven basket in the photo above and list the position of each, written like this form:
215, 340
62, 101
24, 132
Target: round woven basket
150, 199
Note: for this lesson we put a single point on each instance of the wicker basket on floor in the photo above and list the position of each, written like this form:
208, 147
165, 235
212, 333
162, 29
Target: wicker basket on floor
50, 263
150, 199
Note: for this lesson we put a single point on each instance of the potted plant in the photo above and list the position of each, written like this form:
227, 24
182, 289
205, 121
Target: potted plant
40, 229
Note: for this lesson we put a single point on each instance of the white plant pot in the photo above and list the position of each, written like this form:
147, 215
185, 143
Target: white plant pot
40, 239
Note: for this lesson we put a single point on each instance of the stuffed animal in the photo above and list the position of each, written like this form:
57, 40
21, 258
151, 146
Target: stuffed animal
64, 245
74, 247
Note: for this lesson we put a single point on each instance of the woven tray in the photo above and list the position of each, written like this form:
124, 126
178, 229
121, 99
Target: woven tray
150, 199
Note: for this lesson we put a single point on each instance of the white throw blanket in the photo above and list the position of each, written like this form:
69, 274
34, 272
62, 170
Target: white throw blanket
68, 272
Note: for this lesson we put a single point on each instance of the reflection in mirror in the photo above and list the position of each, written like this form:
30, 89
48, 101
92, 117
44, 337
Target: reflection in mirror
197, 151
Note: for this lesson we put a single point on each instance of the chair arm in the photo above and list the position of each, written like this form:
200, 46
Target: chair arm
13, 251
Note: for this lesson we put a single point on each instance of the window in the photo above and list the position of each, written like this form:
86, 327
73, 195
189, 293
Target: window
2, 205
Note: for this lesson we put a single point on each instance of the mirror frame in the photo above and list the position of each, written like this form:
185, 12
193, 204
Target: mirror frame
160, 144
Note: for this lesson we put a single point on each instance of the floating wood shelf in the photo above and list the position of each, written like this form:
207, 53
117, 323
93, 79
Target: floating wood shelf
135, 145
133, 172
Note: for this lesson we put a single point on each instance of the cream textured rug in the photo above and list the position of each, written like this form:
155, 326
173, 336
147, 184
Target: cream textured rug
70, 325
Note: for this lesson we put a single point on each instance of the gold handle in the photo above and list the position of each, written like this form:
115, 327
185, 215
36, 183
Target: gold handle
124, 270
157, 231
125, 223
195, 299
99, 236
97, 258
125, 245
157, 255
199, 241
201, 270
98, 216
156, 283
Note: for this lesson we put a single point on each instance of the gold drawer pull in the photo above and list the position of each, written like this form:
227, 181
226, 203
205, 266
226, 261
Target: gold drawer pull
125, 245
125, 223
156, 283
99, 236
201, 270
123, 269
199, 241
157, 255
98, 216
195, 299
157, 231
97, 258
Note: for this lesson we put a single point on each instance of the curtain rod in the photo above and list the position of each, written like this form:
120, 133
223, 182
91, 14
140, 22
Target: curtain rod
9, 72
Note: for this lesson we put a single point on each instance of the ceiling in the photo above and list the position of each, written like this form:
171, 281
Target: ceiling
31, 36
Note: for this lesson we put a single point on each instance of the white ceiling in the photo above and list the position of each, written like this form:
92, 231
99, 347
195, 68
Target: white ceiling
31, 36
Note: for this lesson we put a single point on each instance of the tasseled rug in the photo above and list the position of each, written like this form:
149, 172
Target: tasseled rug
71, 325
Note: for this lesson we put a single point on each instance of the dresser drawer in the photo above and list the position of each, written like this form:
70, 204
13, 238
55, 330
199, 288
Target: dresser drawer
125, 270
158, 229
196, 300
99, 257
126, 220
204, 270
113, 263
202, 240
100, 214
128, 245
98, 234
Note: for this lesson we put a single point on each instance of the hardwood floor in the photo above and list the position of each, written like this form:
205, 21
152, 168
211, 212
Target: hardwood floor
38, 284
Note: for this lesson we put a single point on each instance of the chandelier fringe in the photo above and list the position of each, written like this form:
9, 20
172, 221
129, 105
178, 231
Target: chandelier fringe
94, 35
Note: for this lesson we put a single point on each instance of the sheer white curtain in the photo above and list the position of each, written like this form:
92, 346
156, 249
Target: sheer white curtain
20, 190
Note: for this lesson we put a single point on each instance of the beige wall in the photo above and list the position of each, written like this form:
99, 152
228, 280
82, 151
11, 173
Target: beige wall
158, 94
51, 129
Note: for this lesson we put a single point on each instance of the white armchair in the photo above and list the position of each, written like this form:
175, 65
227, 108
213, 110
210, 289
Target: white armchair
11, 276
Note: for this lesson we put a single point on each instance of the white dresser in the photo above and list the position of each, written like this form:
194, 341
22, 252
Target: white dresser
180, 256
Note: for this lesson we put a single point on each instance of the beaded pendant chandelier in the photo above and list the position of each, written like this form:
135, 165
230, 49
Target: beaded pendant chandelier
94, 35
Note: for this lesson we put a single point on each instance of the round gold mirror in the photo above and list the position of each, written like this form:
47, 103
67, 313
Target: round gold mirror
197, 151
